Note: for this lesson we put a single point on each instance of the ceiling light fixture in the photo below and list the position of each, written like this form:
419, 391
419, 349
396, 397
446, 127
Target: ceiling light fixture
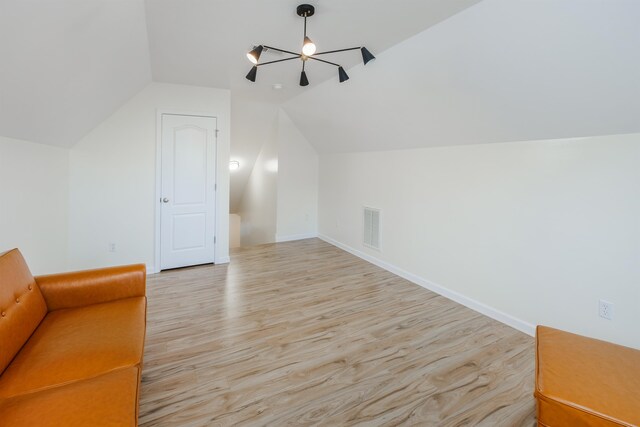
308, 52
234, 165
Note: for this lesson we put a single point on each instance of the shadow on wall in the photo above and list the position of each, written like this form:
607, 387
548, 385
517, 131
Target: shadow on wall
234, 231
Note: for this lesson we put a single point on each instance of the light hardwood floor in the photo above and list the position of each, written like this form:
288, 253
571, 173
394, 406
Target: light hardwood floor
303, 333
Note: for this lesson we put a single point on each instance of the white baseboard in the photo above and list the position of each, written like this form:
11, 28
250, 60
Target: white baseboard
292, 237
482, 308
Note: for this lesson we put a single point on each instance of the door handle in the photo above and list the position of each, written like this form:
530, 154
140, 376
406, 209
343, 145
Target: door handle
165, 200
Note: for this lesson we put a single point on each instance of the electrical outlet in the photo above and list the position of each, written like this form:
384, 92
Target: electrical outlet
606, 309
112, 247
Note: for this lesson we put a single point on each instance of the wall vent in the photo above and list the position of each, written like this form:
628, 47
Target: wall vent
371, 234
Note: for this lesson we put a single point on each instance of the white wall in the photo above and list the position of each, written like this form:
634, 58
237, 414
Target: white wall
297, 183
539, 230
258, 204
249, 121
280, 199
113, 178
34, 194
234, 231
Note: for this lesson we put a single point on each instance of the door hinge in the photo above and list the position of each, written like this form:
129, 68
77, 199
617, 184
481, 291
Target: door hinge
214, 240
217, 131
215, 187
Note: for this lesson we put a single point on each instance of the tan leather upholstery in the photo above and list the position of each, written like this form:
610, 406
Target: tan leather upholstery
92, 286
80, 362
107, 400
76, 344
585, 382
22, 307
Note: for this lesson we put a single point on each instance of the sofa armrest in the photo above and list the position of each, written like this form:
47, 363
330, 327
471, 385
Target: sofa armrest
88, 287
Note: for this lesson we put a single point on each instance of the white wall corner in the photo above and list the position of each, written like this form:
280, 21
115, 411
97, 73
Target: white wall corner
292, 237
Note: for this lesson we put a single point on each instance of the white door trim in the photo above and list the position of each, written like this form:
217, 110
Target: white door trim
159, 114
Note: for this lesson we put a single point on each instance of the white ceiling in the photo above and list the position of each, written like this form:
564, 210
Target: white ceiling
448, 71
66, 65
204, 42
501, 70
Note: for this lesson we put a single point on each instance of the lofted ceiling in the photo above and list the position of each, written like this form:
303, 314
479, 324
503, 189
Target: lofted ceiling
66, 65
502, 70
448, 71
69, 64
204, 42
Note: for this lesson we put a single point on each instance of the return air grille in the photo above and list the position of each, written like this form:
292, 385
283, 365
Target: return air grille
371, 235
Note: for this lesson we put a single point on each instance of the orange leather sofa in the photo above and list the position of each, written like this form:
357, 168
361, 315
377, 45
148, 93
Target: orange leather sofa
70, 345
584, 382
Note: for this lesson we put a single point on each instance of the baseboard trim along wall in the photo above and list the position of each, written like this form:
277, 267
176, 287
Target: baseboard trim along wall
292, 237
482, 308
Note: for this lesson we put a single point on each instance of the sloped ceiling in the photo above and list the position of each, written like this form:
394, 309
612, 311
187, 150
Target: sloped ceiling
448, 71
69, 64
66, 65
204, 42
502, 70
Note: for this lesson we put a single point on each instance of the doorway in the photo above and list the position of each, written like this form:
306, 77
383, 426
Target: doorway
187, 190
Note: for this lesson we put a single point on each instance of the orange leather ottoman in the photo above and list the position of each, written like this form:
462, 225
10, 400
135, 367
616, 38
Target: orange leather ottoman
585, 382
71, 345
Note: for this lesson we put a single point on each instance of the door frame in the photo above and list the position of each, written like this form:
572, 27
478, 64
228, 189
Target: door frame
159, 114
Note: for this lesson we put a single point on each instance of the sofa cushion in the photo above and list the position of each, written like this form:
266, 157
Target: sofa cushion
22, 306
78, 343
107, 400
582, 381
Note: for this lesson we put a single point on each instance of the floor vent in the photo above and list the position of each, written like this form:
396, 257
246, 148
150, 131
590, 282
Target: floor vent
371, 235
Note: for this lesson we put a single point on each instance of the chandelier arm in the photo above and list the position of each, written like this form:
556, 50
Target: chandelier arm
281, 50
336, 51
279, 60
322, 60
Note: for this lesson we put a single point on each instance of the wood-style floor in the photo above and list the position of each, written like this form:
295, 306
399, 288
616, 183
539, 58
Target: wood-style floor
303, 333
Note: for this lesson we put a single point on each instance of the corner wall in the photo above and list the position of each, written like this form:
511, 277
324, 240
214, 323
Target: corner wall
258, 205
34, 186
280, 200
531, 232
113, 178
297, 183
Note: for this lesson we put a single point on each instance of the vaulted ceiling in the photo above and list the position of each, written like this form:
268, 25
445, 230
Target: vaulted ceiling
68, 64
448, 71
502, 70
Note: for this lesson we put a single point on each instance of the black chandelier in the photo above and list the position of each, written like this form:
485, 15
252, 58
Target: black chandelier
308, 52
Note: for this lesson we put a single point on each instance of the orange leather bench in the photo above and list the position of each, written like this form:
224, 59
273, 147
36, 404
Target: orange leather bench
71, 345
585, 382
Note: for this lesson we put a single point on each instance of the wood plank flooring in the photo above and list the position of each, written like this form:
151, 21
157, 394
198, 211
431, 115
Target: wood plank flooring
303, 333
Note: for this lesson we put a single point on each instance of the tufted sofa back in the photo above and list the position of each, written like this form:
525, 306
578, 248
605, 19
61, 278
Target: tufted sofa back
22, 306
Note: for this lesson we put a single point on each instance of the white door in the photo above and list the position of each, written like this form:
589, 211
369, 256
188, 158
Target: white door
187, 218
